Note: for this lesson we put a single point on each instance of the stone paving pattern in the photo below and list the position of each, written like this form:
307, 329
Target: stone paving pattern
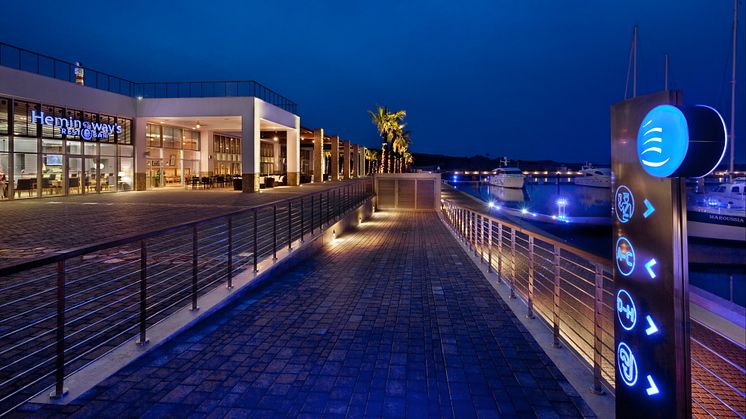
390, 321
35, 227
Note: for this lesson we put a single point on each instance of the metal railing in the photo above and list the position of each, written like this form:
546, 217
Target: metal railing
571, 291
61, 312
33, 62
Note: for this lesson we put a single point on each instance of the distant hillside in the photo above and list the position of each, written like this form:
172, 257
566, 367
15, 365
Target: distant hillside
448, 163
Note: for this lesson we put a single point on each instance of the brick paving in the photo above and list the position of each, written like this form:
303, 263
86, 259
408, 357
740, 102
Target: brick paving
390, 321
35, 227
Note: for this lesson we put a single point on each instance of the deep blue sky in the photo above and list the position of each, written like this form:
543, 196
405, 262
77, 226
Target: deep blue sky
527, 79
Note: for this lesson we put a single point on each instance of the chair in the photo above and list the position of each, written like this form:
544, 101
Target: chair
74, 184
28, 185
220, 180
195, 182
206, 182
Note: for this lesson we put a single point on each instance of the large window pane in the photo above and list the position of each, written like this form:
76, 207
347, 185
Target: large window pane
52, 174
25, 145
4, 109
25, 168
75, 175
4, 176
22, 124
108, 169
126, 174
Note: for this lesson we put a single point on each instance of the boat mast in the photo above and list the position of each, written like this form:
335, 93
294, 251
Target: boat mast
733, 92
634, 61
665, 72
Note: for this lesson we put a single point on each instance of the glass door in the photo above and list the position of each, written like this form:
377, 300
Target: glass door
74, 175
90, 178
154, 173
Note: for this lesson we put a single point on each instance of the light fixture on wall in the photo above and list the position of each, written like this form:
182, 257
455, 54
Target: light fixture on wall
197, 126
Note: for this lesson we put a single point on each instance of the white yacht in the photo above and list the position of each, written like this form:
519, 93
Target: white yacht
719, 214
507, 177
598, 177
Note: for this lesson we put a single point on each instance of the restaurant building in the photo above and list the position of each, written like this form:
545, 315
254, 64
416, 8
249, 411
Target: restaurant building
68, 130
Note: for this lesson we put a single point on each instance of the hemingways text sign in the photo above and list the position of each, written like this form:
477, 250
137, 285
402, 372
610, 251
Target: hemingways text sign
655, 143
70, 126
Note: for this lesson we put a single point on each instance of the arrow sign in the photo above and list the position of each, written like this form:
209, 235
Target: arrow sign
650, 209
652, 327
649, 267
653, 389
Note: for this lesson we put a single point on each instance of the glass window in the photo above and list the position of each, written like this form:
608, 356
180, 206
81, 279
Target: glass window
53, 130
52, 146
4, 105
108, 149
125, 150
4, 176
90, 149
108, 173
169, 140
25, 168
126, 174
24, 144
109, 122
4, 144
22, 124
74, 147
191, 140
153, 134
125, 137
52, 174
77, 116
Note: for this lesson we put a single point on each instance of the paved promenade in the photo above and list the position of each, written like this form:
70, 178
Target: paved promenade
35, 227
392, 320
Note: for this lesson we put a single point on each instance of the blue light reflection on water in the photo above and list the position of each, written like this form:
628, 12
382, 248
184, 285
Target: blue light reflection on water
548, 198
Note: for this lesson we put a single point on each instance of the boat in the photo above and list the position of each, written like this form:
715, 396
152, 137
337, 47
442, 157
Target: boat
507, 177
719, 214
597, 177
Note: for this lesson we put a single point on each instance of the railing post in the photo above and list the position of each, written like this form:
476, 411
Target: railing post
556, 305
499, 253
274, 232
598, 329
59, 365
143, 292
230, 253
290, 225
512, 263
481, 239
328, 208
302, 221
195, 253
489, 246
312, 217
256, 247
530, 304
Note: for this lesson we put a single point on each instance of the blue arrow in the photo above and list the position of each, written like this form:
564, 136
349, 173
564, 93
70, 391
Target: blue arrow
650, 209
653, 389
653, 328
649, 267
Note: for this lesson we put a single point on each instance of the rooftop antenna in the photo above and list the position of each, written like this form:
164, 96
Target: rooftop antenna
632, 65
733, 92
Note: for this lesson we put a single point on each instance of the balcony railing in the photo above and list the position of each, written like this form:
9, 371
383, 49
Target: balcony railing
571, 292
62, 312
33, 62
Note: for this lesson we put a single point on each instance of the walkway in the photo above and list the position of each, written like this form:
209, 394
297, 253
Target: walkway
394, 319
35, 227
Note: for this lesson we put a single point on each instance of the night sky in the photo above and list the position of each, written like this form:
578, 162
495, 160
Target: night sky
527, 79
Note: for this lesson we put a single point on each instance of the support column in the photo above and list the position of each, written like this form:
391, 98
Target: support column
250, 134
355, 161
141, 145
293, 154
207, 153
334, 175
364, 162
346, 160
318, 155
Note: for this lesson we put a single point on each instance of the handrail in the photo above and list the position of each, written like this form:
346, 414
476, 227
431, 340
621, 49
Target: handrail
587, 331
36, 262
114, 84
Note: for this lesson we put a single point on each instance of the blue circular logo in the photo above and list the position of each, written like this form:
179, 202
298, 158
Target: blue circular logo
624, 204
626, 364
663, 140
625, 256
86, 133
626, 311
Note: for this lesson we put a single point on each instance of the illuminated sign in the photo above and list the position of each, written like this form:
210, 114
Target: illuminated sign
679, 141
625, 256
625, 310
651, 329
70, 126
624, 202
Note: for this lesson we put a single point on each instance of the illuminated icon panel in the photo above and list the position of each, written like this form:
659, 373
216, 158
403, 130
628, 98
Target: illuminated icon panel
663, 140
625, 256
652, 389
626, 364
624, 204
625, 310
649, 267
649, 209
652, 328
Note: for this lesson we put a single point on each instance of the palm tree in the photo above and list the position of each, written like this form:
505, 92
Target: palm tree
371, 156
408, 159
389, 125
401, 145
